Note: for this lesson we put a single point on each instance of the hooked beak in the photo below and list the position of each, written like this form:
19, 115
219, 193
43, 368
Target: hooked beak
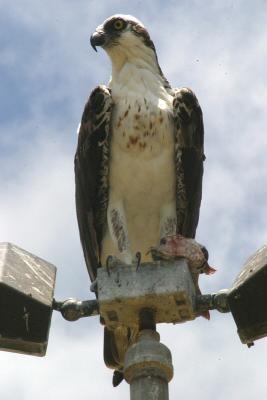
98, 38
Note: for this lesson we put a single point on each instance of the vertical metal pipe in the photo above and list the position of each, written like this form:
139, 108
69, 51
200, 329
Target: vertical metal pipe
149, 388
148, 367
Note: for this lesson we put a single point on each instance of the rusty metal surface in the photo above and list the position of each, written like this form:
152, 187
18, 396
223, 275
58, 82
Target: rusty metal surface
166, 288
248, 298
26, 296
27, 273
148, 367
252, 266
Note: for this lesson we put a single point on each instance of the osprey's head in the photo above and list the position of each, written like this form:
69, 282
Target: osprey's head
124, 38
120, 30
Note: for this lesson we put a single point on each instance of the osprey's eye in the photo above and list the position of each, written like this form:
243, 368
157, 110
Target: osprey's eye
118, 24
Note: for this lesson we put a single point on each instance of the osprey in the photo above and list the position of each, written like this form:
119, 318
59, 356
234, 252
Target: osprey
139, 159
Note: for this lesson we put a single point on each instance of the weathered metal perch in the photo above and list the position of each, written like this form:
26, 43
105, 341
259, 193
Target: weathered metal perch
126, 296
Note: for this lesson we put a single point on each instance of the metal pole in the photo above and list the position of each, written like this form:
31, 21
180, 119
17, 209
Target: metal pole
148, 367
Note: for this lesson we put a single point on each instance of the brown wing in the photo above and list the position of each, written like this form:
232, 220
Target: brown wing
91, 174
189, 157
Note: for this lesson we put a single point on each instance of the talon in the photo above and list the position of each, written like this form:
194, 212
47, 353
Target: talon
156, 255
108, 260
163, 241
149, 251
138, 259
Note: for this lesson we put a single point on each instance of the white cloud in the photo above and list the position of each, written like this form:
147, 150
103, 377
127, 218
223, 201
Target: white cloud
72, 368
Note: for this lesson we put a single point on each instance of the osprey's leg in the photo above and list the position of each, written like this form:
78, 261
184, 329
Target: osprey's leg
118, 230
167, 223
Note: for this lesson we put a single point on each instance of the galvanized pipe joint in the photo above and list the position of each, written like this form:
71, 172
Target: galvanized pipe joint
148, 367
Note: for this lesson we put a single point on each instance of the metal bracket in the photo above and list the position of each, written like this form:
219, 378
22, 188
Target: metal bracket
163, 287
73, 309
215, 301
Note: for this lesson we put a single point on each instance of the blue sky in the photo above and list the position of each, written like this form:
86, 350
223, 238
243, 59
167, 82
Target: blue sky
47, 70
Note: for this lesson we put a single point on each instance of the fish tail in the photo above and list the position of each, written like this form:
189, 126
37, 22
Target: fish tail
205, 314
209, 270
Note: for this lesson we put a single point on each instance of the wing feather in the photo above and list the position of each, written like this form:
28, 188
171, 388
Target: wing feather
91, 167
189, 158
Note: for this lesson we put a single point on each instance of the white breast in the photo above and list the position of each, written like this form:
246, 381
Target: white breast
142, 172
